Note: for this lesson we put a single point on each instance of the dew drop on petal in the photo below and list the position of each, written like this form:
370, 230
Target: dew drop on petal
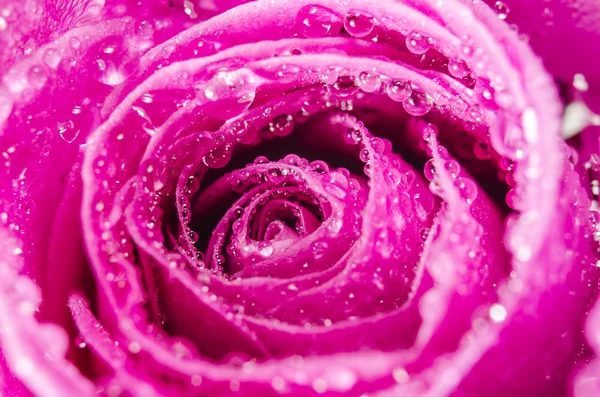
511, 199
52, 58
218, 157
37, 76
364, 155
398, 90
345, 86
501, 9
261, 160
467, 188
282, 125
458, 68
265, 248
452, 167
429, 170
378, 145
417, 43
359, 23
418, 103
319, 167
369, 81
319, 249
68, 131
113, 62
314, 21
329, 75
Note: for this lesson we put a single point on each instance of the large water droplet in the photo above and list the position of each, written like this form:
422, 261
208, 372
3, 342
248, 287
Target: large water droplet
114, 62
418, 103
218, 157
458, 68
345, 86
359, 23
282, 125
369, 81
265, 248
68, 131
314, 21
452, 167
319, 167
418, 43
398, 90
467, 189
501, 9
429, 170
52, 58
232, 91
319, 248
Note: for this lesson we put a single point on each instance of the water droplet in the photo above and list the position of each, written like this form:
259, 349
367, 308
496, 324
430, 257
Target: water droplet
501, 9
314, 21
196, 380
400, 375
345, 86
369, 81
394, 177
398, 90
467, 188
506, 164
512, 200
475, 114
418, 43
37, 76
292, 159
68, 131
114, 61
261, 160
193, 237
319, 248
418, 103
218, 157
239, 128
319, 167
452, 167
282, 125
458, 68
359, 23
276, 175
80, 342
378, 145
75, 42
233, 90
51, 58
265, 248
364, 155
320, 385
429, 170
329, 75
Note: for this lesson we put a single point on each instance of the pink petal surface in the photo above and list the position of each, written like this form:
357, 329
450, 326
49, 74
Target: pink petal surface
150, 237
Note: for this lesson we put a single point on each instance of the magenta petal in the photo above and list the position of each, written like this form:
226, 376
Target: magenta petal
258, 198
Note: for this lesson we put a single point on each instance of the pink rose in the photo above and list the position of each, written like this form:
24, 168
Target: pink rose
299, 198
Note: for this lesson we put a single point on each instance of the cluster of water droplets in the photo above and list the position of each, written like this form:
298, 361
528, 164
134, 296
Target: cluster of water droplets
464, 184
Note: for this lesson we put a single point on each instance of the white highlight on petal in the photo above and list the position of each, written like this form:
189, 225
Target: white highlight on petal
577, 118
497, 313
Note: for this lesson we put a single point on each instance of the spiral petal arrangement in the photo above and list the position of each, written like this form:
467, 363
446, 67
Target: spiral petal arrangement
299, 198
